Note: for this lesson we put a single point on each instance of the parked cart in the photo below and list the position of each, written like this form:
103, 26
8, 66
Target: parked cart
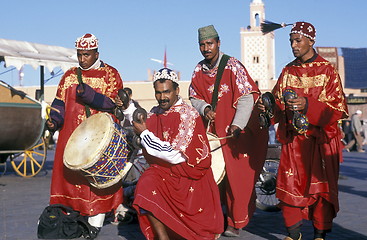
22, 118
22, 121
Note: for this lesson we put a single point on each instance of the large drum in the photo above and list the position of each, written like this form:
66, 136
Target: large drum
98, 148
218, 164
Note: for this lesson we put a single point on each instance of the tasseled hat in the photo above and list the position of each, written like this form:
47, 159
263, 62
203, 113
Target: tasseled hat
165, 73
304, 28
207, 32
86, 42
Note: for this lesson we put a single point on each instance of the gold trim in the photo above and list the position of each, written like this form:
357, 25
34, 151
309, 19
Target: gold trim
289, 192
319, 182
305, 82
84, 200
242, 220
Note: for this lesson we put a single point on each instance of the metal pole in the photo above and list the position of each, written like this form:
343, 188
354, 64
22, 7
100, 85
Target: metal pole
42, 79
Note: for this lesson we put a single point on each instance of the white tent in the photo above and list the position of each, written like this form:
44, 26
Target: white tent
18, 53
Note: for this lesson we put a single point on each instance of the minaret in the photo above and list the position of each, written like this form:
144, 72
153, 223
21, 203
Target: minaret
257, 49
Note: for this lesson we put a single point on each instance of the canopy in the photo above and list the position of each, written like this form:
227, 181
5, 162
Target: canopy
18, 53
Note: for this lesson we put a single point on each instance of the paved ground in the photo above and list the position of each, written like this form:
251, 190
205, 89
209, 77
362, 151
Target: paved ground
23, 199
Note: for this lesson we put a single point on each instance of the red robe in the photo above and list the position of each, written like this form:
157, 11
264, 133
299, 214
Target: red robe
70, 187
309, 164
183, 196
245, 156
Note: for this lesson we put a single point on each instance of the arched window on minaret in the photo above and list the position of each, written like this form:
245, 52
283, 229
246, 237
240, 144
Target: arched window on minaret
257, 20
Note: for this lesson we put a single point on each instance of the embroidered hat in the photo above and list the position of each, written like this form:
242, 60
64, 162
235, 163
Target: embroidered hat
87, 42
165, 73
207, 32
304, 28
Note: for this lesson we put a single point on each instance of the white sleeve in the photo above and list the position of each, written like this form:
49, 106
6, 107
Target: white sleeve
160, 149
199, 105
243, 112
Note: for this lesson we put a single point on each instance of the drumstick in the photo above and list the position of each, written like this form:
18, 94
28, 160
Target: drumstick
218, 138
207, 128
221, 138
51, 108
55, 109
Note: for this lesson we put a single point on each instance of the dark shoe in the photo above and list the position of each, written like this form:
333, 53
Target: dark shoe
289, 238
92, 232
231, 232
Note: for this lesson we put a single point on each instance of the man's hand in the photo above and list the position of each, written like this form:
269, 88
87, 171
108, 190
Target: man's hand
50, 124
260, 105
235, 131
80, 88
119, 103
209, 114
296, 104
139, 126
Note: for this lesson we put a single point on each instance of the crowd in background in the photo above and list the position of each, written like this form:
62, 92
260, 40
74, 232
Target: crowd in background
355, 133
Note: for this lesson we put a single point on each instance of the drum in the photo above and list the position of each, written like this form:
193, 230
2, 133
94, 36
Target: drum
218, 164
98, 148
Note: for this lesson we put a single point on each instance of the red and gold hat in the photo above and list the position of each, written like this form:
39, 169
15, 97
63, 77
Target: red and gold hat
86, 42
304, 28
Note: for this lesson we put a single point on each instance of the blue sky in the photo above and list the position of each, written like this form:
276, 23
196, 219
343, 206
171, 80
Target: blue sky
132, 32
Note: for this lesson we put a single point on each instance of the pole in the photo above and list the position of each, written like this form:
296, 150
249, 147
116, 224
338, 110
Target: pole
42, 83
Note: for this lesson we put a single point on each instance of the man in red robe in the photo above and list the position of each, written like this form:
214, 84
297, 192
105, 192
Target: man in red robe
307, 181
244, 154
101, 83
176, 197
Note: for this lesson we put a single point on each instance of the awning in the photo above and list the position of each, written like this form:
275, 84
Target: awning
18, 53
355, 67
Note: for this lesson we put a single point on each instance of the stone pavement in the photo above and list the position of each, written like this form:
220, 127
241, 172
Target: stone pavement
23, 199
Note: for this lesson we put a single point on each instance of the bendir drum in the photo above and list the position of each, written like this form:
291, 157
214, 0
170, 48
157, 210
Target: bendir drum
218, 164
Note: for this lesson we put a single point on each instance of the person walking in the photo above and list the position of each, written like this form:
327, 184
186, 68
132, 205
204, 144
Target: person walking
357, 130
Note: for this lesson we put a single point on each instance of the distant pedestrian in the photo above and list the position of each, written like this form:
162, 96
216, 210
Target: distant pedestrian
364, 126
129, 91
132, 105
357, 130
272, 134
348, 134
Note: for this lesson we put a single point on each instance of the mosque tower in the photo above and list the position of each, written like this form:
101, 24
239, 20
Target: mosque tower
257, 50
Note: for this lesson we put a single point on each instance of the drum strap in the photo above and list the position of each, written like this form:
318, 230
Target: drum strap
222, 64
80, 80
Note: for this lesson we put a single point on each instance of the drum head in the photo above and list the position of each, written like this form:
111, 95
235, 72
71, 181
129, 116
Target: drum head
88, 141
218, 164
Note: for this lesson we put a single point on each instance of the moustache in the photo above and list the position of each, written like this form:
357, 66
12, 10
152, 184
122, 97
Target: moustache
207, 52
163, 101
